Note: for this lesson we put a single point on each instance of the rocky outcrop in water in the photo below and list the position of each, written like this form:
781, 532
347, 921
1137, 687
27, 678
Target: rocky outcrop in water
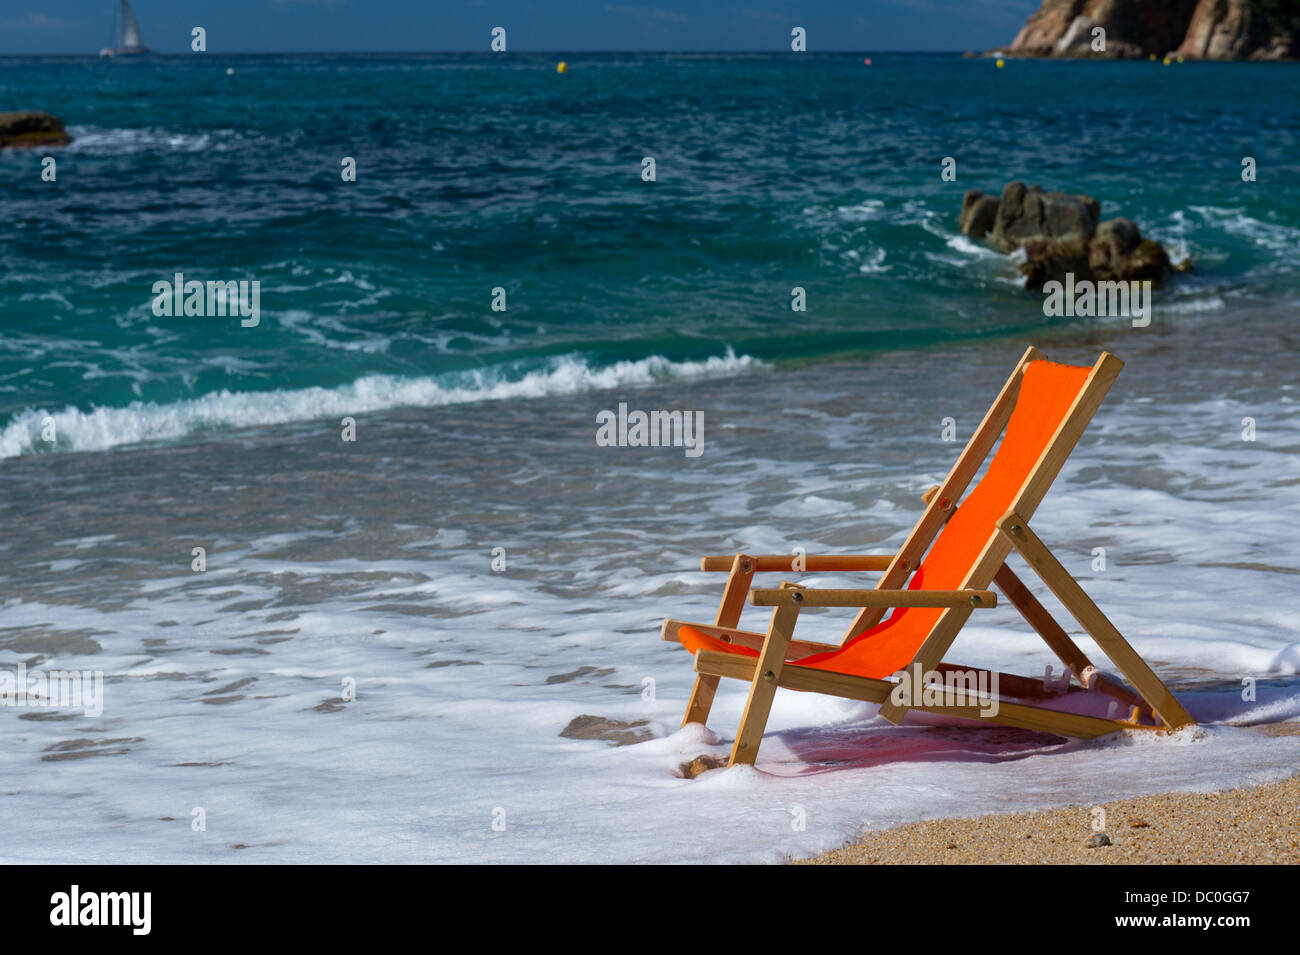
1026, 213
1118, 251
1060, 233
979, 213
30, 128
1199, 29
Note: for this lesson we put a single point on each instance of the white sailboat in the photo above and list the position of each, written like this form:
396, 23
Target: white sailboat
126, 35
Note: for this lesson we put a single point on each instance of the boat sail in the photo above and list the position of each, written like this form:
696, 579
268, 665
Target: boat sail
126, 35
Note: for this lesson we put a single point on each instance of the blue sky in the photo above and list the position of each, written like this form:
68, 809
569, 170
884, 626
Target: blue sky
249, 26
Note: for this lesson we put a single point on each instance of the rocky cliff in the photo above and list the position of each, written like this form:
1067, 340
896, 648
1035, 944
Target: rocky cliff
1200, 29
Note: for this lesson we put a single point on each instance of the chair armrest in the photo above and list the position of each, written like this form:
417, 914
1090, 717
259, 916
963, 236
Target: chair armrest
873, 598
812, 563
744, 638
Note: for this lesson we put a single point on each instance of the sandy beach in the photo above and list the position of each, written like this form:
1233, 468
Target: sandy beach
1254, 825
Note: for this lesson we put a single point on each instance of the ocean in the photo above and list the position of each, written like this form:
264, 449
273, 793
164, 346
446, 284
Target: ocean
389, 634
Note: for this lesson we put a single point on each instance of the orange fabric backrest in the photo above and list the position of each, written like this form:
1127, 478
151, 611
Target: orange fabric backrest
1047, 390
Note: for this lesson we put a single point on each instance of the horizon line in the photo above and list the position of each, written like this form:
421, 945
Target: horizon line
571, 52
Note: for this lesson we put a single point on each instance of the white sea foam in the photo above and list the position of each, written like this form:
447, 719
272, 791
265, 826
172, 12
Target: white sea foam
964, 243
310, 325
875, 265
866, 211
103, 428
1276, 238
1191, 306
109, 142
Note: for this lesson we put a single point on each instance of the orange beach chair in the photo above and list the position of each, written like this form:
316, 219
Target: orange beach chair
946, 564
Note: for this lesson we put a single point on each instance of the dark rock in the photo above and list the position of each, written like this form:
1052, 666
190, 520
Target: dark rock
1098, 839
978, 213
1119, 253
27, 129
701, 764
1113, 241
1148, 261
615, 731
1026, 213
1048, 261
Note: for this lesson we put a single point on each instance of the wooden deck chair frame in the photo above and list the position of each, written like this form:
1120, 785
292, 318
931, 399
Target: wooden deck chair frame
1148, 706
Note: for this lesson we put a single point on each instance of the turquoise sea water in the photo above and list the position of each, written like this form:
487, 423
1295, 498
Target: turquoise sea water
479, 171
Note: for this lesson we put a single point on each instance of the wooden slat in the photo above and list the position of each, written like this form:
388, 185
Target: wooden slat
948, 509
1023, 716
1019, 715
1015, 527
1059, 641
954, 485
1036, 614
795, 677
812, 597
733, 595
733, 601
812, 563
1100, 682
744, 638
767, 677
720, 663
1011, 684
700, 704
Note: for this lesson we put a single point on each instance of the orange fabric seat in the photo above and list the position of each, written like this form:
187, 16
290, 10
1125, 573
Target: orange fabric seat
1047, 391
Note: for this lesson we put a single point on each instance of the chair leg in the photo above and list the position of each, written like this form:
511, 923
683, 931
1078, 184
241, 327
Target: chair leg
767, 674
733, 600
1103, 632
697, 710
